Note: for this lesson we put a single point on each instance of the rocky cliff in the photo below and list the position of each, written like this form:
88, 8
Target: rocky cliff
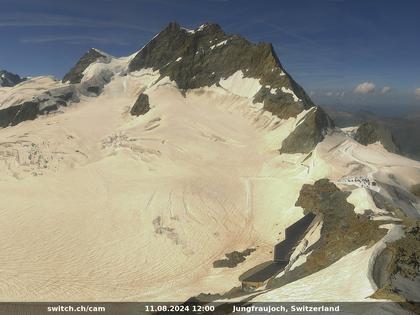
371, 132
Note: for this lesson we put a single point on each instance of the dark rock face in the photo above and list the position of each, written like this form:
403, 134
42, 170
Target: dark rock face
202, 57
233, 259
8, 79
371, 132
75, 74
407, 250
310, 131
141, 106
14, 115
94, 89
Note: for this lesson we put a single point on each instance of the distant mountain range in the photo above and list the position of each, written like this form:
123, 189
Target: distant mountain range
8, 79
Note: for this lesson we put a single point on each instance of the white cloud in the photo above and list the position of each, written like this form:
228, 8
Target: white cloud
329, 93
417, 92
364, 88
385, 89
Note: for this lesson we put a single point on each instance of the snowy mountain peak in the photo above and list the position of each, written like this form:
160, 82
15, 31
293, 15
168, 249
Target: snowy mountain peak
75, 74
208, 27
101, 52
207, 56
8, 79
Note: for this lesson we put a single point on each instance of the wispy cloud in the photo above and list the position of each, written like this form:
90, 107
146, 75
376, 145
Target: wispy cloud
48, 20
365, 88
74, 39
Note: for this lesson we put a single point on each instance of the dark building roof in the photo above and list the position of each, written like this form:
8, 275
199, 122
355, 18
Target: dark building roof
263, 272
294, 233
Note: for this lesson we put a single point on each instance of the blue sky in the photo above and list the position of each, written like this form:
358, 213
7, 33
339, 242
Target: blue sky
329, 46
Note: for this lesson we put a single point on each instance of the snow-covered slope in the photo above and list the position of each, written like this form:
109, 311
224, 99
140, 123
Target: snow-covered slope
100, 204
27, 90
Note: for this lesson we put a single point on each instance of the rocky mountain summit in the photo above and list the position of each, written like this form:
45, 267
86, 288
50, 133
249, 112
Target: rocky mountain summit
75, 74
371, 132
310, 130
208, 56
8, 79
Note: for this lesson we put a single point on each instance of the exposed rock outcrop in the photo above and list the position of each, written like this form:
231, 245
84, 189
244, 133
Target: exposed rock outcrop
372, 132
309, 131
75, 74
94, 89
141, 106
14, 115
233, 259
343, 230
